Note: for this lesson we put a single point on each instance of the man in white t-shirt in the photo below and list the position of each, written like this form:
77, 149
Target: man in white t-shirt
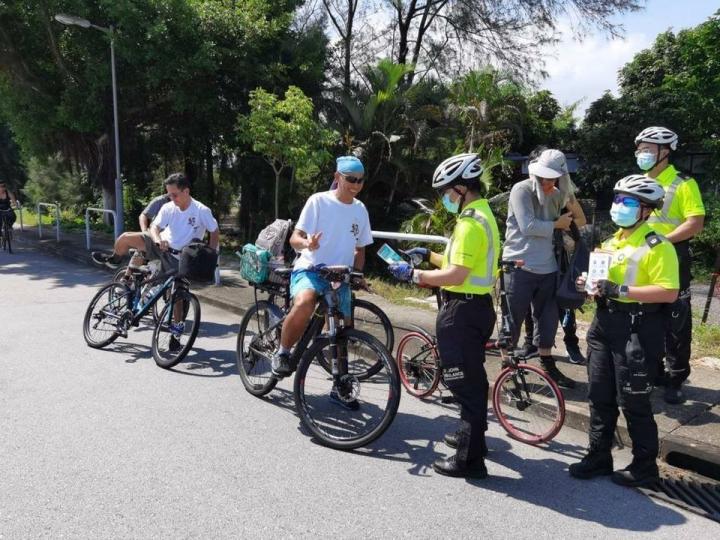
178, 223
333, 229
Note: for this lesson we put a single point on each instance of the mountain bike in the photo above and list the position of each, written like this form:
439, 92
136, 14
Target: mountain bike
6, 233
119, 306
527, 402
346, 388
149, 269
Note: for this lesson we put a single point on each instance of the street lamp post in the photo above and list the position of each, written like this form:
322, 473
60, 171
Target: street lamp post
71, 20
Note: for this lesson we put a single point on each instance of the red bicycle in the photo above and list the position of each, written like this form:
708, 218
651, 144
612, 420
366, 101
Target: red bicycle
527, 402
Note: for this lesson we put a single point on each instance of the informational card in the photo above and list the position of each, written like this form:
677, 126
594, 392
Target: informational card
598, 268
389, 255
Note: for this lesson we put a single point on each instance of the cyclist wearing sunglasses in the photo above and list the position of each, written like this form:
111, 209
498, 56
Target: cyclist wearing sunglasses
466, 274
681, 217
333, 229
623, 340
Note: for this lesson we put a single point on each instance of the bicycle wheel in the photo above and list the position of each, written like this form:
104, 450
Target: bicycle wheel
369, 318
528, 404
359, 410
175, 332
104, 314
8, 237
418, 364
258, 339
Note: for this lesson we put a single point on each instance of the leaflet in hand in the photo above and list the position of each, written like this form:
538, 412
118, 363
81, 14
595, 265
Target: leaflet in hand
389, 255
598, 268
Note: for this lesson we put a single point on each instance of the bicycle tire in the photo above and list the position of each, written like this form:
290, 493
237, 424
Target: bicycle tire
260, 315
162, 351
331, 423
368, 317
418, 364
117, 300
530, 412
8, 237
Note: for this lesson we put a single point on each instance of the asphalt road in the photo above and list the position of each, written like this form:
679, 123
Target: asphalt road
104, 444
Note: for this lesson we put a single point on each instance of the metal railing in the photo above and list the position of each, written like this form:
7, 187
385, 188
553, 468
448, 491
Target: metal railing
57, 218
19, 209
411, 237
87, 223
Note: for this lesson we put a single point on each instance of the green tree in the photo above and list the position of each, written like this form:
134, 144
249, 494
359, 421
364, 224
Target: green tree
285, 133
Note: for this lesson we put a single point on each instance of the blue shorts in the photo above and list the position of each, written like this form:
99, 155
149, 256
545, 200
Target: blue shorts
301, 280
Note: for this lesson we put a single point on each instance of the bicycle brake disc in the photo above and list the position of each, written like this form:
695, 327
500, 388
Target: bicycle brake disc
348, 388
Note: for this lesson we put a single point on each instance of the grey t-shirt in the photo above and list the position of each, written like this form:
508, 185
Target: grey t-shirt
154, 206
530, 226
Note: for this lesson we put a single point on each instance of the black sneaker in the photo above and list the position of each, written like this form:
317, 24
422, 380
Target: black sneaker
574, 356
674, 395
637, 474
556, 375
450, 467
112, 261
280, 365
528, 352
350, 405
174, 346
595, 463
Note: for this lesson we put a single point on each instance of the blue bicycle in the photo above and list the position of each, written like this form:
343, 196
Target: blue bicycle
119, 306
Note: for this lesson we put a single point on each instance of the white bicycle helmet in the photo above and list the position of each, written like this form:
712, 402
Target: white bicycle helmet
644, 188
658, 135
456, 170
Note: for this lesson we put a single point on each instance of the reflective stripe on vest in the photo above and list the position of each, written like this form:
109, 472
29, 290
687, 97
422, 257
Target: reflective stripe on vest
633, 261
664, 216
488, 279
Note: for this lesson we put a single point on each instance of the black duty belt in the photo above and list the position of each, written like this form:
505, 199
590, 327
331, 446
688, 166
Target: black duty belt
631, 307
450, 295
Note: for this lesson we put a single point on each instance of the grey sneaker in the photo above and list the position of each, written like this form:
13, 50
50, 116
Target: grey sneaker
574, 356
112, 261
280, 365
528, 352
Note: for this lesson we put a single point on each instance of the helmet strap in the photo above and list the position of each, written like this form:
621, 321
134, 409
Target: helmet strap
462, 195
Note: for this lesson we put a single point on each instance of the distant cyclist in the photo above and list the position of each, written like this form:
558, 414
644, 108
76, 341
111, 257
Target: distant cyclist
7, 203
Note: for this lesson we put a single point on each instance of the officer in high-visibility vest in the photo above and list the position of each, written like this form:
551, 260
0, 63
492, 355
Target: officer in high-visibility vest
681, 217
623, 344
466, 276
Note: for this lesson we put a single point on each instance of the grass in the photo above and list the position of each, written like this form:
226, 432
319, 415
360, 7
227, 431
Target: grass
400, 293
68, 221
706, 337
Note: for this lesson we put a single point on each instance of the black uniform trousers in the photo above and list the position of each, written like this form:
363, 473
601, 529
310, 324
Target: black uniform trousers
679, 335
464, 325
607, 338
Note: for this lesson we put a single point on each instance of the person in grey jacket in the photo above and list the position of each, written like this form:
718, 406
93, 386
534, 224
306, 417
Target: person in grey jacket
535, 212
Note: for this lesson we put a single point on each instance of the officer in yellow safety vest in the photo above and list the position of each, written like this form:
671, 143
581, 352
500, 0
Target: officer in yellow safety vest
623, 345
680, 218
466, 276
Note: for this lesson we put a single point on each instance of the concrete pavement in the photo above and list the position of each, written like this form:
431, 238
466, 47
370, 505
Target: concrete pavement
692, 428
104, 444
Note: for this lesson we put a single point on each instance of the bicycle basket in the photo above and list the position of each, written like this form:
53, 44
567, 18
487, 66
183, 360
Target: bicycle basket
198, 262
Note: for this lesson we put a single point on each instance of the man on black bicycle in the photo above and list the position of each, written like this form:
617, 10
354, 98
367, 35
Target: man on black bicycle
176, 225
466, 276
7, 203
333, 229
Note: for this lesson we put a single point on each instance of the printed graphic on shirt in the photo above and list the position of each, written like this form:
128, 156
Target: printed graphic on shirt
355, 230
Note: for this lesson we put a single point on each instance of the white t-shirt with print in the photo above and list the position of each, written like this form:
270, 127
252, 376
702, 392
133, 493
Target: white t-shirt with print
179, 227
344, 227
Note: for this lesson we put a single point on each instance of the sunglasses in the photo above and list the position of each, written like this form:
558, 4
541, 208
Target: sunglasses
627, 200
353, 179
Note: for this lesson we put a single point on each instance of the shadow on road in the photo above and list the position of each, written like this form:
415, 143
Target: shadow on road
28, 263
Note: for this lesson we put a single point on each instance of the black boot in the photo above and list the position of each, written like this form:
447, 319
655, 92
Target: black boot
596, 463
548, 365
450, 467
451, 439
640, 473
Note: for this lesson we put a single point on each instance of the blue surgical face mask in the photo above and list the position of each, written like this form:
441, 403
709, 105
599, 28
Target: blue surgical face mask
624, 216
452, 207
646, 160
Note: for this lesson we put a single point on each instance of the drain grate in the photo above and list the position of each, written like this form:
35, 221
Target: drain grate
690, 491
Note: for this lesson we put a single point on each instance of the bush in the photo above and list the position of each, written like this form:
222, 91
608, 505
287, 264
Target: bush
706, 245
49, 181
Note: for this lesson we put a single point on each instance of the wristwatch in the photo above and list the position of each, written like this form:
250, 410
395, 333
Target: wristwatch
623, 291
416, 277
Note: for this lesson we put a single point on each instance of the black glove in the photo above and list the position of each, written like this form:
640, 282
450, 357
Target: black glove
607, 288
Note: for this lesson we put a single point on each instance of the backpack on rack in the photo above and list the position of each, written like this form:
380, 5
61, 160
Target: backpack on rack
270, 250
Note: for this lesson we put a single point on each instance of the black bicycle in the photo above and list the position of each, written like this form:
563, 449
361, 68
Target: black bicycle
119, 306
6, 233
346, 387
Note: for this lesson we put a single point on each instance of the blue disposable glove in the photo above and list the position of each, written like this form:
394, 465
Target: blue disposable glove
418, 255
401, 271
